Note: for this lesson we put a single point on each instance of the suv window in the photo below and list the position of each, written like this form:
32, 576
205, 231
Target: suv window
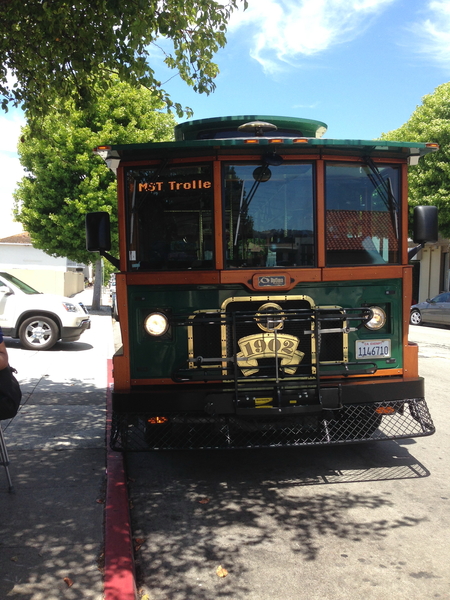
24, 287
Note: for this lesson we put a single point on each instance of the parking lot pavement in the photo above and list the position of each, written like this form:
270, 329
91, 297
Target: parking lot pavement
51, 530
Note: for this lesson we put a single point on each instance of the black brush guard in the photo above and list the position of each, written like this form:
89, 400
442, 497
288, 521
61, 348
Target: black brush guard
304, 324
273, 405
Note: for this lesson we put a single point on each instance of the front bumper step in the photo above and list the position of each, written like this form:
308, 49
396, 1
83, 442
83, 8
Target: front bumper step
355, 423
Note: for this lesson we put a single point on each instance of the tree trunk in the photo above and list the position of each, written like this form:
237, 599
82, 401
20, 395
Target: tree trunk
97, 296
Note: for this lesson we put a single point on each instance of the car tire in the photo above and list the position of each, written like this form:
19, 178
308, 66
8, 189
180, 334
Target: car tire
38, 333
415, 317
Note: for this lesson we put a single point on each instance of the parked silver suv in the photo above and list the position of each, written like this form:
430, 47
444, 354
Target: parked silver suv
39, 320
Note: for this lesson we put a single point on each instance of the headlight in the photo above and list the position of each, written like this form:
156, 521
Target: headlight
378, 320
156, 324
69, 307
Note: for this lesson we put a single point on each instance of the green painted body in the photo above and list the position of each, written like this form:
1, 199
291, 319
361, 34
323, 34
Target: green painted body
159, 358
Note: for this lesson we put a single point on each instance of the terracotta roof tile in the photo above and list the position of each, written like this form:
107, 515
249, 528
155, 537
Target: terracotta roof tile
348, 229
19, 238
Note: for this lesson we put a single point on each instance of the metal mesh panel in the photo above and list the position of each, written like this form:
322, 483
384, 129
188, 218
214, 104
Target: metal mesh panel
207, 339
354, 423
331, 344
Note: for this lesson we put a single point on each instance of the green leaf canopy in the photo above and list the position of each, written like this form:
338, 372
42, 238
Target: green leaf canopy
65, 49
429, 181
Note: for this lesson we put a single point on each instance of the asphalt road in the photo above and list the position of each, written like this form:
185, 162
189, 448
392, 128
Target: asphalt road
365, 521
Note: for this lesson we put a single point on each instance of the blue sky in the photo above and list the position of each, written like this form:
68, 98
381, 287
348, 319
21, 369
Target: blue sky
361, 66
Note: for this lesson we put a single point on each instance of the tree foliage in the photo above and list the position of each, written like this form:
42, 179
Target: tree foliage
68, 49
65, 179
429, 181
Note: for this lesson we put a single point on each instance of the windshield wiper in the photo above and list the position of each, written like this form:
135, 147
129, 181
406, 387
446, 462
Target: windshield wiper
244, 203
384, 188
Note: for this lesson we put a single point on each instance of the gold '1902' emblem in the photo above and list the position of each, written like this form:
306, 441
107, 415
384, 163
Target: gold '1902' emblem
269, 345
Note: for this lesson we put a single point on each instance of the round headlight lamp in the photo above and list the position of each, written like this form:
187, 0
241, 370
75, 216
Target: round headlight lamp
156, 324
378, 319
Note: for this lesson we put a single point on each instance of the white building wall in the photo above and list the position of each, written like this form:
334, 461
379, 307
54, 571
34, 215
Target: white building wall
25, 256
430, 271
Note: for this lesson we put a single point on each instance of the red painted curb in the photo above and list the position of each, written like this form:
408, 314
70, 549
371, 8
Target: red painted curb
120, 581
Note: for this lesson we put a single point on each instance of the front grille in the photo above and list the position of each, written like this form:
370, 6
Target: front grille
269, 338
243, 324
354, 423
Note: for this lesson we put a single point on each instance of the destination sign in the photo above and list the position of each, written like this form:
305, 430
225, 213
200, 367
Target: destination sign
174, 185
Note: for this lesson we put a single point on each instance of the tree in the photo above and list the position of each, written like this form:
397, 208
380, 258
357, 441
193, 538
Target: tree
69, 49
429, 181
65, 179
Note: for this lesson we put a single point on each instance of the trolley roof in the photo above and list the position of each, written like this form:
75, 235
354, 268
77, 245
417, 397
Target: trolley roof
247, 126
258, 134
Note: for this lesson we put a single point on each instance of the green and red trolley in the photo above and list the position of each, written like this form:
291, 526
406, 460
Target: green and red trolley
264, 289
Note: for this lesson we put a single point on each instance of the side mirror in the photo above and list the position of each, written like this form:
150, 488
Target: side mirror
425, 228
425, 224
98, 235
98, 232
6, 290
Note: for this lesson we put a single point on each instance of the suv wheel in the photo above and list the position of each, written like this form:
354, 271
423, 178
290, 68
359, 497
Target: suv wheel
38, 333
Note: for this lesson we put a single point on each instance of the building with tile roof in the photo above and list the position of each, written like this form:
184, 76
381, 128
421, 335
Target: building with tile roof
49, 274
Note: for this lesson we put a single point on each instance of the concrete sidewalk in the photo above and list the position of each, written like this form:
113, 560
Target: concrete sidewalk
51, 528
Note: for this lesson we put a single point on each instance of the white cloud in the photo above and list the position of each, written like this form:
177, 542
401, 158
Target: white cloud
433, 33
286, 30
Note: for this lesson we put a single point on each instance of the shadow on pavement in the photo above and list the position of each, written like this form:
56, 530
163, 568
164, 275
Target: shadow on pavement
197, 510
51, 530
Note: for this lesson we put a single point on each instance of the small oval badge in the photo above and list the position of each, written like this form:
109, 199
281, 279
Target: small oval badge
279, 281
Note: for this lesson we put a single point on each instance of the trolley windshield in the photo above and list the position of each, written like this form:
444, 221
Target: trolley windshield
269, 215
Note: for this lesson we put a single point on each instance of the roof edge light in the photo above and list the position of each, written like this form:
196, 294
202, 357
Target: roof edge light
110, 156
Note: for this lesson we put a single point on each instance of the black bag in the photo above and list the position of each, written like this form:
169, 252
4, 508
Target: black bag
10, 393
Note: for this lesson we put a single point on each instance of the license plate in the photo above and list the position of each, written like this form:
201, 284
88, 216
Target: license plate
373, 349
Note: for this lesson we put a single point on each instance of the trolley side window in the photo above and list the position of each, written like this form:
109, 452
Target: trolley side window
269, 215
362, 214
170, 218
